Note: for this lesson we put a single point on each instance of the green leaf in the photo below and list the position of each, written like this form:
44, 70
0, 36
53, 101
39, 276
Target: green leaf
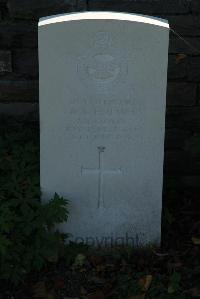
174, 283
196, 241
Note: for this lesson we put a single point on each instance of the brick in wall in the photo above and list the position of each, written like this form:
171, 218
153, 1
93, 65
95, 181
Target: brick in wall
181, 94
177, 66
190, 47
176, 162
18, 34
5, 61
186, 25
193, 69
81, 5
195, 6
145, 6
186, 118
33, 9
191, 182
25, 62
176, 138
181, 162
18, 91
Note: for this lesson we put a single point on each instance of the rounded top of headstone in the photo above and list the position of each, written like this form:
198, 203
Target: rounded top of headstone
100, 15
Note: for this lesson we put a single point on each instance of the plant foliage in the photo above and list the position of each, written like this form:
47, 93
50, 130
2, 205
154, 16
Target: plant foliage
28, 235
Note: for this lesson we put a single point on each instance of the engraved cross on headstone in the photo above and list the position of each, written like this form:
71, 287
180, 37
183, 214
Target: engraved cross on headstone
100, 171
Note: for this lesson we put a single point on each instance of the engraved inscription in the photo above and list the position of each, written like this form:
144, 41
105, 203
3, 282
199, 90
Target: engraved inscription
100, 171
102, 64
103, 68
106, 117
106, 111
102, 40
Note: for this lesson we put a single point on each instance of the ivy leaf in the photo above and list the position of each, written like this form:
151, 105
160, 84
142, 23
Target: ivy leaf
196, 241
174, 283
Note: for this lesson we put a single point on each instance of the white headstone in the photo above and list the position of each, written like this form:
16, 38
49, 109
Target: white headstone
103, 78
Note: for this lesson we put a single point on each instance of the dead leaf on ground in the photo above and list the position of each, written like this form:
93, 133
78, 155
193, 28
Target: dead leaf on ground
83, 291
96, 295
194, 292
8, 157
180, 57
141, 296
59, 284
40, 291
144, 284
100, 268
96, 260
159, 254
107, 288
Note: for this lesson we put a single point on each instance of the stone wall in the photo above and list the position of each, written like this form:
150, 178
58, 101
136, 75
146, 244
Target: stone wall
19, 73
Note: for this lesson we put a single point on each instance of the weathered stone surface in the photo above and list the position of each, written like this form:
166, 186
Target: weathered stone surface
181, 94
187, 25
193, 69
190, 47
37, 8
18, 91
145, 6
177, 66
176, 138
102, 99
25, 62
5, 61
